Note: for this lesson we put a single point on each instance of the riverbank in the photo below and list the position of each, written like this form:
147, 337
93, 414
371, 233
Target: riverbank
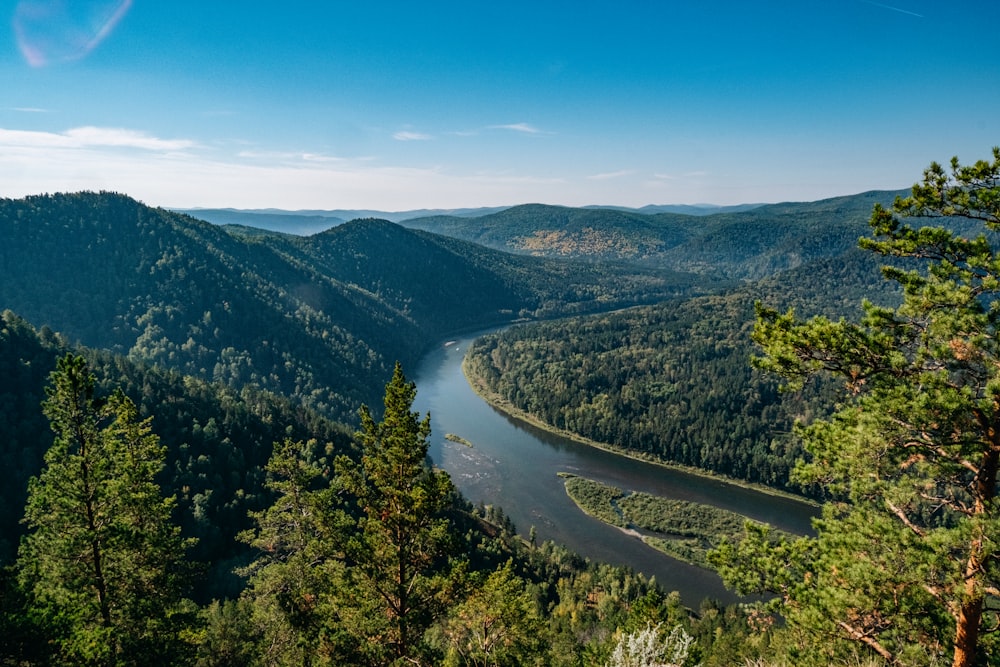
499, 403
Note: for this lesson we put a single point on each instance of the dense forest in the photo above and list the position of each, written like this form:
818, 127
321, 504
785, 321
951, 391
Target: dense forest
673, 381
213, 458
736, 245
316, 319
228, 468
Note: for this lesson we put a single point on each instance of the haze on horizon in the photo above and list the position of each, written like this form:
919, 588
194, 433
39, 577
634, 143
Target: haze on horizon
398, 106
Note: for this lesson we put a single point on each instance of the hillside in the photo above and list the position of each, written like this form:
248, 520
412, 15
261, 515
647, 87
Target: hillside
673, 381
736, 244
319, 319
218, 441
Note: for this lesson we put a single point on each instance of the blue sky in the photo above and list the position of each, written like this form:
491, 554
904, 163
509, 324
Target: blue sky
404, 105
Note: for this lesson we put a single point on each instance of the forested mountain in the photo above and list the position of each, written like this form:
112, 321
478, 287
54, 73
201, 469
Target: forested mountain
320, 319
673, 381
307, 222
745, 244
220, 466
218, 440
172, 520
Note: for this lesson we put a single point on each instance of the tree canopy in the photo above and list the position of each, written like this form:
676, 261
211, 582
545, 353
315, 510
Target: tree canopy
905, 560
102, 557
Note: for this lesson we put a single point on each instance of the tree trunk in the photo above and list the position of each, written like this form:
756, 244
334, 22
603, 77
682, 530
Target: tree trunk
970, 614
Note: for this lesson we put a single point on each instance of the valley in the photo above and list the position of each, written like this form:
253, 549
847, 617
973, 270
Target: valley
627, 341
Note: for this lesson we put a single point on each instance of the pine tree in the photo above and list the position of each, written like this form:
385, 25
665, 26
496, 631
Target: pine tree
102, 559
905, 560
398, 553
295, 584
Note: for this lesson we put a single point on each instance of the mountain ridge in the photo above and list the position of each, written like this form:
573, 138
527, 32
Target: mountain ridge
310, 318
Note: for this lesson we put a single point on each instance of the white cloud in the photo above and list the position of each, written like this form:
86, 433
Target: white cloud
287, 157
36, 162
674, 177
84, 137
406, 135
610, 175
517, 127
123, 138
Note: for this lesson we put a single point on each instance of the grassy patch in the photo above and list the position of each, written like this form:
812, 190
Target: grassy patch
457, 438
683, 529
596, 499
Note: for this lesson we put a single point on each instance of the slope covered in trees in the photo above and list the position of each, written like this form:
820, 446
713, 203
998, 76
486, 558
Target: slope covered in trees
217, 441
904, 563
673, 381
746, 244
318, 318
315, 319
536, 603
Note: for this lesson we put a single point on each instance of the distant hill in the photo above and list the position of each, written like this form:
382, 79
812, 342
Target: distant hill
684, 209
275, 221
306, 223
743, 244
320, 319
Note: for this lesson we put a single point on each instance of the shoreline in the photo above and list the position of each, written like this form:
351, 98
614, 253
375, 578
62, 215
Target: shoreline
501, 404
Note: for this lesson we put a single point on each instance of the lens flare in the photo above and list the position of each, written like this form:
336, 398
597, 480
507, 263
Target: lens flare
59, 31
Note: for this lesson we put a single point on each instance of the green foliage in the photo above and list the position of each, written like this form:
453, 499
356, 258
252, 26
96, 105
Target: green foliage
671, 381
904, 563
683, 529
316, 319
497, 624
598, 500
25, 363
102, 560
400, 547
296, 584
217, 439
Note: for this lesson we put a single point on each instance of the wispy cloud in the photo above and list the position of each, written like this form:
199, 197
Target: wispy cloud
610, 175
85, 137
287, 157
517, 127
123, 138
673, 177
34, 161
30, 110
895, 9
407, 135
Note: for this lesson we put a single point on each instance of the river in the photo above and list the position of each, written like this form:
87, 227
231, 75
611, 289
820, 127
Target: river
514, 465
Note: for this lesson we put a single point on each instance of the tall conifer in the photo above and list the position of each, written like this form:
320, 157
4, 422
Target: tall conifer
101, 556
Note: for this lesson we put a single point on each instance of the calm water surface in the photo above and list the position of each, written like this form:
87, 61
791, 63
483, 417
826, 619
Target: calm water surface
514, 465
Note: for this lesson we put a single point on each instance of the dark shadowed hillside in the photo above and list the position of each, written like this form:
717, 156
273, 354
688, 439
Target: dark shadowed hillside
320, 319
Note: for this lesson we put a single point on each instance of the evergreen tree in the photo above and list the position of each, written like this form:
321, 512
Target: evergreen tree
905, 560
295, 584
398, 552
102, 560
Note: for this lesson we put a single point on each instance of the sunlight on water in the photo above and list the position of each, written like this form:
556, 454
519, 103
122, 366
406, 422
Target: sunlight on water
57, 31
